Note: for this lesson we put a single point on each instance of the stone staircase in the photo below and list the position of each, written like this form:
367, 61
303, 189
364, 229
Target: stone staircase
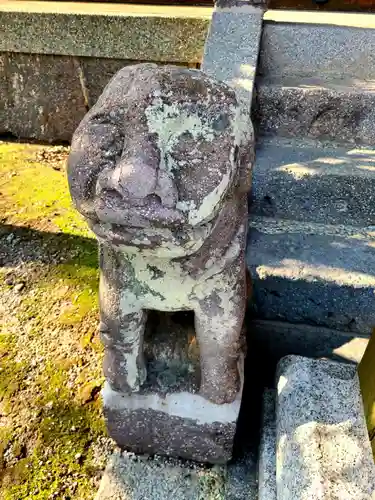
312, 225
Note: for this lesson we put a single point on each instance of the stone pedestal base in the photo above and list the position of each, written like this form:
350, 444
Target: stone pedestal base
168, 416
178, 424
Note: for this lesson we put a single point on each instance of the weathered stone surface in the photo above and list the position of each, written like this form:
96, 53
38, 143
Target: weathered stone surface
338, 110
313, 273
128, 477
135, 32
45, 97
35, 106
160, 167
241, 478
307, 181
323, 449
232, 46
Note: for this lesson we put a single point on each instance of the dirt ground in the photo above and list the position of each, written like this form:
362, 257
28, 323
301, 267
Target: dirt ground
52, 438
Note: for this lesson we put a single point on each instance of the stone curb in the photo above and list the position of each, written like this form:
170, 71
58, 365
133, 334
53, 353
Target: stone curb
323, 449
312, 108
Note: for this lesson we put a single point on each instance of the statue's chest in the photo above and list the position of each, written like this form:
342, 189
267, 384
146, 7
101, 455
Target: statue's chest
157, 284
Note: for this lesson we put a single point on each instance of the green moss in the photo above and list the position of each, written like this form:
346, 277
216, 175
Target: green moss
36, 192
12, 375
50, 355
62, 452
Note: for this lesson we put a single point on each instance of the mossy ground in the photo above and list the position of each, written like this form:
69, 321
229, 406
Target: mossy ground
52, 437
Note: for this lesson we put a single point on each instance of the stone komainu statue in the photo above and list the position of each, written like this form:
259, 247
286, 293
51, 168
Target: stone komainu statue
160, 167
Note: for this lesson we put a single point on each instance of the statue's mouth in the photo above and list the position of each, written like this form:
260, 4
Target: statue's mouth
147, 225
150, 215
175, 240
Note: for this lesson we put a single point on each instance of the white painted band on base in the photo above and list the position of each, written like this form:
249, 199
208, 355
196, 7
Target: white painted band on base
178, 404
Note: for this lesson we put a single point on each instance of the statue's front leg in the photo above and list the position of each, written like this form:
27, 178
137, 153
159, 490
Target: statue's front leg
219, 320
121, 328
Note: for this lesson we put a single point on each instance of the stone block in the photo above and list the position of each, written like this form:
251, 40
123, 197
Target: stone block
327, 45
323, 449
139, 478
134, 32
44, 97
128, 476
177, 424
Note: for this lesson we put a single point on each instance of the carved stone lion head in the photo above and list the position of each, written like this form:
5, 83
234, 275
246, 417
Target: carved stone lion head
154, 161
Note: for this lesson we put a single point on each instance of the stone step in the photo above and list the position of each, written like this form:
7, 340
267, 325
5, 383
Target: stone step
312, 182
307, 44
335, 110
313, 273
321, 448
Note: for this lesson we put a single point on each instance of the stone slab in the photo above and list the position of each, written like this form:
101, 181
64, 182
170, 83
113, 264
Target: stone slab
314, 274
307, 44
136, 32
323, 449
232, 46
131, 477
339, 110
312, 182
267, 448
128, 477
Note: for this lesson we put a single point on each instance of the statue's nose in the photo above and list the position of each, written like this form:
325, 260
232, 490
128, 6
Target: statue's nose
138, 183
132, 179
